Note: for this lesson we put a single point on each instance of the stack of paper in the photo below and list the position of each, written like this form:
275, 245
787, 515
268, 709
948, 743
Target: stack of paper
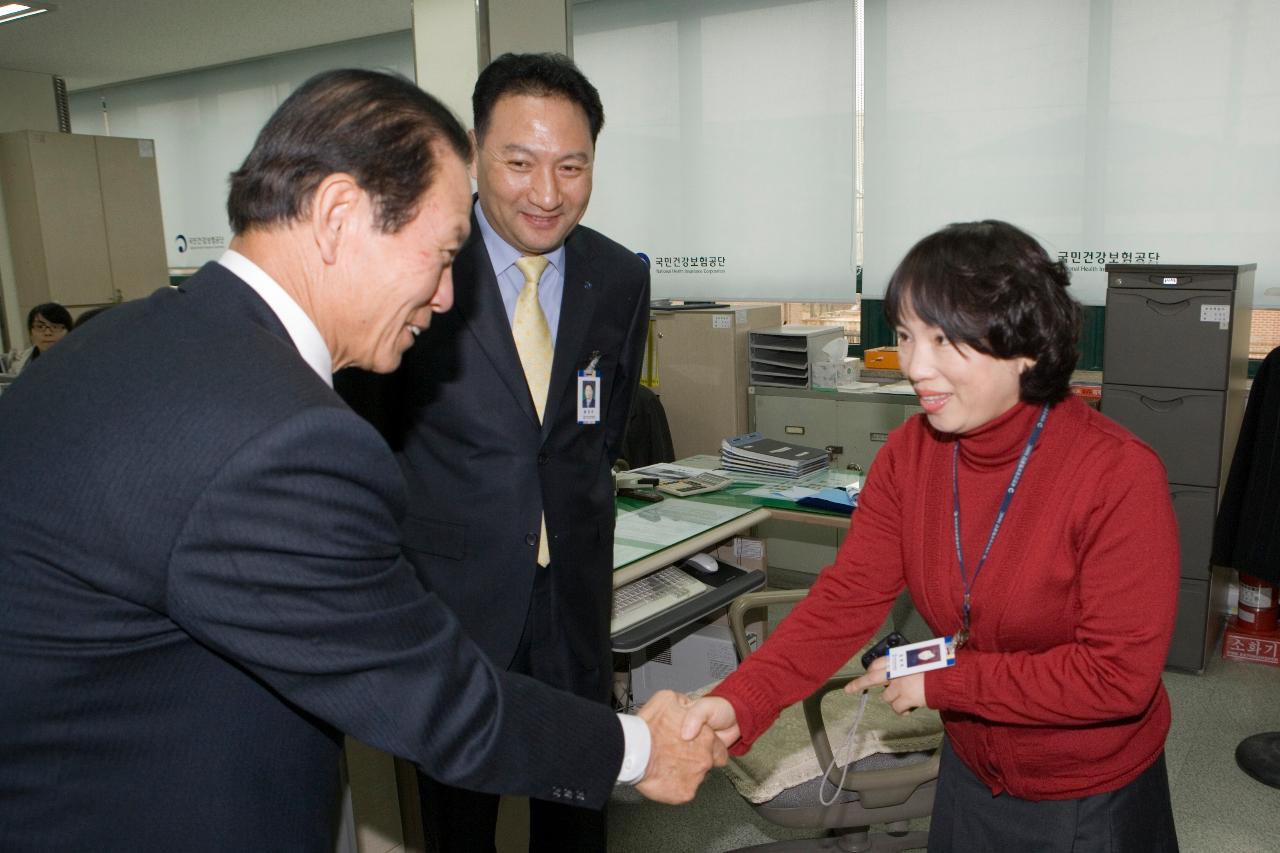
756, 454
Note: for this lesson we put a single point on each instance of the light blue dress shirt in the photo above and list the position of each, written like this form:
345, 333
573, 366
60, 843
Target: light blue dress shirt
503, 256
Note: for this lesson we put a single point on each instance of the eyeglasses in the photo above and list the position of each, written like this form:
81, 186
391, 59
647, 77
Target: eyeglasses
41, 326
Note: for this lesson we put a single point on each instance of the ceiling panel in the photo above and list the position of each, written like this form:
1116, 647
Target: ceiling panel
98, 42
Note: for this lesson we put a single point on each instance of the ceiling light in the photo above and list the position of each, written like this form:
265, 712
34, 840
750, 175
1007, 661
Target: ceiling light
14, 11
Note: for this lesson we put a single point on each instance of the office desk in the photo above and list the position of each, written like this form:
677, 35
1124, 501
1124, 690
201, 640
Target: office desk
726, 584
719, 516
665, 533
675, 552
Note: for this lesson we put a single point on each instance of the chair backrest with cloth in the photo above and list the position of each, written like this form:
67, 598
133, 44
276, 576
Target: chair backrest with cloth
890, 781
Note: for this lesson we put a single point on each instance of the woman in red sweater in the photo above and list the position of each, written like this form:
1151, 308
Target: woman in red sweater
1030, 525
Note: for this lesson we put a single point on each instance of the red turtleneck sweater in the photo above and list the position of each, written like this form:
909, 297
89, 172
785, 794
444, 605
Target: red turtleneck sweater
1057, 693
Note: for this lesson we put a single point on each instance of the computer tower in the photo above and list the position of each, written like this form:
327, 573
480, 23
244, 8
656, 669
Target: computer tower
685, 662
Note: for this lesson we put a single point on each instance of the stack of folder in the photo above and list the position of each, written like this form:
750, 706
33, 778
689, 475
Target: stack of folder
754, 454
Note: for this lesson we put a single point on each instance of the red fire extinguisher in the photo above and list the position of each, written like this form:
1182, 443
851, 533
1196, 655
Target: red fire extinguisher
1257, 610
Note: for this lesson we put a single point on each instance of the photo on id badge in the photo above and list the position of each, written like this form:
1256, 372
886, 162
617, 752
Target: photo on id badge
588, 397
921, 657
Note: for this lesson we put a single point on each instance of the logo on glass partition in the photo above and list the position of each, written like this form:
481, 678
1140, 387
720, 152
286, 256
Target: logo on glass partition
690, 264
193, 243
1079, 260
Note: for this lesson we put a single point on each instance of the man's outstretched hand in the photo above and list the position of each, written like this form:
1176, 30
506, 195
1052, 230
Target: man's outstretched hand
677, 764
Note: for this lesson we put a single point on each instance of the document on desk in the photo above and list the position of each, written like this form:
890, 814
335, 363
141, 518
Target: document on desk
779, 493
665, 472
640, 532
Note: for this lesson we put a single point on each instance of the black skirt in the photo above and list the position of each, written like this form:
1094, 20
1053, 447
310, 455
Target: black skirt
1137, 818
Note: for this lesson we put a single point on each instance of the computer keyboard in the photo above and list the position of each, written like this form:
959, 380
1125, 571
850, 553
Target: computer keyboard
650, 595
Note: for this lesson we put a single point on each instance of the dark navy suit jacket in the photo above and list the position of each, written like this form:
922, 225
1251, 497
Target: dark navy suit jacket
201, 586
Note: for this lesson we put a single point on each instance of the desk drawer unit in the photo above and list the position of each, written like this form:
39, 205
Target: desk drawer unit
1185, 340
863, 428
1194, 507
1183, 425
804, 420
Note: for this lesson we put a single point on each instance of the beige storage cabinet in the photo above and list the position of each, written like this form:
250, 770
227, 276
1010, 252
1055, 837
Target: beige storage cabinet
84, 218
857, 425
701, 368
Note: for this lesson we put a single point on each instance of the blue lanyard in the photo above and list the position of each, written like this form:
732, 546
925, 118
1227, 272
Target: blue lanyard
963, 635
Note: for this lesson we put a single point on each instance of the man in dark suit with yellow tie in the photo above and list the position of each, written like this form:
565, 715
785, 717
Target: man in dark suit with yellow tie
201, 581
510, 491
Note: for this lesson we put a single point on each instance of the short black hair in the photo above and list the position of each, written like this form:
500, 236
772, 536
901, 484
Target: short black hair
539, 74
993, 287
52, 312
380, 128
86, 316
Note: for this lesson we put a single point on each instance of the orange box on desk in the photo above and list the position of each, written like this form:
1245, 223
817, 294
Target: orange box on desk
1263, 647
881, 358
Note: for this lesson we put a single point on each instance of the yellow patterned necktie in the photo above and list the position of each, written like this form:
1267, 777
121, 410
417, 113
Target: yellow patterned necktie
533, 343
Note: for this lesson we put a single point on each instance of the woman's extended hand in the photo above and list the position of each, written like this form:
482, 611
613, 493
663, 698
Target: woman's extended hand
714, 712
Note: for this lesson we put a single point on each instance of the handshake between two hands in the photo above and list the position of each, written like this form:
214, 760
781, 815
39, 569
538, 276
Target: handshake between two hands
687, 738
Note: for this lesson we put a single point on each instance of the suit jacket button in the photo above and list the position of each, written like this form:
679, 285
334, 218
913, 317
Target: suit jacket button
542, 458
531, 539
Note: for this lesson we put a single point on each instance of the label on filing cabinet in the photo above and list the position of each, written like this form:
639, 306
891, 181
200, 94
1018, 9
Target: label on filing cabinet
721, 321
1220, 314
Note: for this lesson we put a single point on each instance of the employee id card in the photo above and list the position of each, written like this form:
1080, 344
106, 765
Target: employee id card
589, 401
921, 657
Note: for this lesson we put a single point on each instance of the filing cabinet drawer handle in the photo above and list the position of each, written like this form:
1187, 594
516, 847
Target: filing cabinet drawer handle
1170, 280
1162, 406
1168, 309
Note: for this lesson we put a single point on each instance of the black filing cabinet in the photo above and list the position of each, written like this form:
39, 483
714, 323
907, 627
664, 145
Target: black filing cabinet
1175, 368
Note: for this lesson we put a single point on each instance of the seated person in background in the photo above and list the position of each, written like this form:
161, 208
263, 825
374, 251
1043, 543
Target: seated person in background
46, 325
90, 314
1054, 711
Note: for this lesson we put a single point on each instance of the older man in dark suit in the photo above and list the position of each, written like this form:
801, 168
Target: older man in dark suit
201, 584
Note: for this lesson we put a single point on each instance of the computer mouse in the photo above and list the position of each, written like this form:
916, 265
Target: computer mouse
702, 563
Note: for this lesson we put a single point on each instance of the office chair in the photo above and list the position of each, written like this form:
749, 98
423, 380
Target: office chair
882, 788
647, 438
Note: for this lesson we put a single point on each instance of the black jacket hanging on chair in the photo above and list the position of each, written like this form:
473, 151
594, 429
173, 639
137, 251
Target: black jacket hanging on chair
1247, 534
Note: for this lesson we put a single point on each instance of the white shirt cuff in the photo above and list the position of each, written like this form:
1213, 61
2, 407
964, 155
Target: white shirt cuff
635, 757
